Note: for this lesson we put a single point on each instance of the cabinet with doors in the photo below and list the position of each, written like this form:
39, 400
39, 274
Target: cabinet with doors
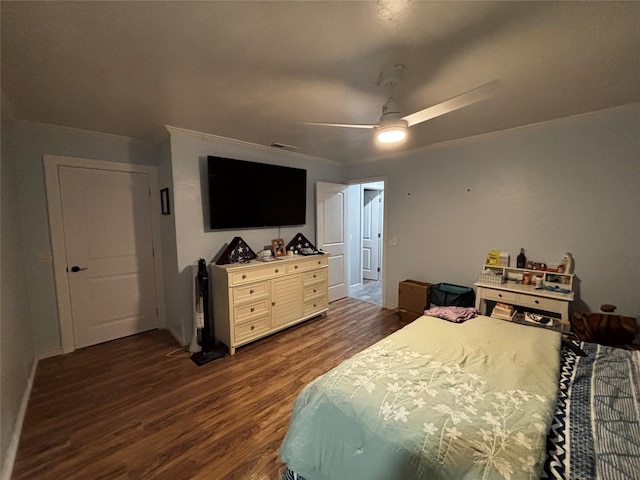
255, 299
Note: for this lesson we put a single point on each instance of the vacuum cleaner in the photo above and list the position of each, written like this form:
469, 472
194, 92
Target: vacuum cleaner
202, 321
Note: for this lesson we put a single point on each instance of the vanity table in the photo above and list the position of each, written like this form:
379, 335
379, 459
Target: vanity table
526, 296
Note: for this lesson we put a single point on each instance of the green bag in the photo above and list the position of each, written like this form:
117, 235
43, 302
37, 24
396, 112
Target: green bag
448, 295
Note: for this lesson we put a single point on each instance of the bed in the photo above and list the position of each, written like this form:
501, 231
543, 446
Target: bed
479, 399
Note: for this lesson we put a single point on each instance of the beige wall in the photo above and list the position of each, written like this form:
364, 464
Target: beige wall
17, 346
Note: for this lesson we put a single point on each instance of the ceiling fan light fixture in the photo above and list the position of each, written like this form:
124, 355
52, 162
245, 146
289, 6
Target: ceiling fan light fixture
392, 133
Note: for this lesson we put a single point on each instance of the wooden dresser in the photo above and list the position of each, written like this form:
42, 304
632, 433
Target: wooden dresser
252, 300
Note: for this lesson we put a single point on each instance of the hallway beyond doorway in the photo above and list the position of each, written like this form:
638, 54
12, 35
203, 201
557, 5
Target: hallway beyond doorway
370, 292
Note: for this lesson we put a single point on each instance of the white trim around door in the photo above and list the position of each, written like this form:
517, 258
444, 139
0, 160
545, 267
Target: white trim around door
52, 163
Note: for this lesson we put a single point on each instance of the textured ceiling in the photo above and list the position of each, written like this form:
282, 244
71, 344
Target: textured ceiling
254, 71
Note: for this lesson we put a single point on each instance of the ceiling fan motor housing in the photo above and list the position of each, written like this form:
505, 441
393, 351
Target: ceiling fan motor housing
390, 111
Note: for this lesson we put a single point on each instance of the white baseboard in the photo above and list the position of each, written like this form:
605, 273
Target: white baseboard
181, 341
12, 450
54, 352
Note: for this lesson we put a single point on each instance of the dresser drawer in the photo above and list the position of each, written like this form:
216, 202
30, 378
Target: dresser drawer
314, 276
251, 329
313, 291
315, 305
320, 261
300, 266
251, 310
501, 296
250, 292
540, 303
306, 263
249, 275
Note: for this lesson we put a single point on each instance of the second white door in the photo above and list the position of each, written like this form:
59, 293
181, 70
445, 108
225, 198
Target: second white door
371, 234
331, 231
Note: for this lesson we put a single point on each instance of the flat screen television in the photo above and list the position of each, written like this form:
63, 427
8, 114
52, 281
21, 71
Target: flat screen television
246, 194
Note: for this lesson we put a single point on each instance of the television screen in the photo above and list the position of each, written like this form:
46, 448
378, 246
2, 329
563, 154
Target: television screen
249, 195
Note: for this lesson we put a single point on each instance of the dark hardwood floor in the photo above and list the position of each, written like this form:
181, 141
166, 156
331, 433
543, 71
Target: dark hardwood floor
125, 410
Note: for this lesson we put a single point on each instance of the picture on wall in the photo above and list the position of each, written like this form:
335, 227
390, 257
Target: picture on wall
164, 200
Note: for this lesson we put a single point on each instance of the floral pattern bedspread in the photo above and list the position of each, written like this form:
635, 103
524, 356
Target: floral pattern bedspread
436, 400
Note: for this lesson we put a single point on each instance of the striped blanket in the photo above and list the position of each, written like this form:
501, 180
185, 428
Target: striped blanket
596, 430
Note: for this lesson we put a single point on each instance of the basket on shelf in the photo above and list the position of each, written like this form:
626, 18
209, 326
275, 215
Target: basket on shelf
491, 278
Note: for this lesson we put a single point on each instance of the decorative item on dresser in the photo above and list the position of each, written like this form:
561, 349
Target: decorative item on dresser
253, 300
299, 242
278, 247
237, 251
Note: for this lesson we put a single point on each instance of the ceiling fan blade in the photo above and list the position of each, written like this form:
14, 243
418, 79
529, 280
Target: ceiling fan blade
345, 125
463, 100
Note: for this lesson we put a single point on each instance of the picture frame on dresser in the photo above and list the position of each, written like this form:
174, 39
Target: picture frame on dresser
279, 249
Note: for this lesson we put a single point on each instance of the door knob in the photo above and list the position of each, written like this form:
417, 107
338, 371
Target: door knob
76, 268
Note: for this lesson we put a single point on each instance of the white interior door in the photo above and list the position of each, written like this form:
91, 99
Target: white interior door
331, 232
371, 234
109, 249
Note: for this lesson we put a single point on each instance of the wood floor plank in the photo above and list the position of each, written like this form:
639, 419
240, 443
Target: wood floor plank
126, 410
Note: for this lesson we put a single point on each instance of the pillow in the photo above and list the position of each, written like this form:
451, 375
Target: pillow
452, 314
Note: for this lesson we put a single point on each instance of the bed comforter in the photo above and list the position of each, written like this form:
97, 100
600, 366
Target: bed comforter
435, 400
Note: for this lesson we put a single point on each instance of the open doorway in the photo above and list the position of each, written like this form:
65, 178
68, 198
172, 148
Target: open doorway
366, 221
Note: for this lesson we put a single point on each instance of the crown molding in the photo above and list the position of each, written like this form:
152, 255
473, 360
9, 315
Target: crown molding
64, 129
241, 143
500, 133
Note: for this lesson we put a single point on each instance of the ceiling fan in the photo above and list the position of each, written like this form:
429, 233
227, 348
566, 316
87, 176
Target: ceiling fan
392, 127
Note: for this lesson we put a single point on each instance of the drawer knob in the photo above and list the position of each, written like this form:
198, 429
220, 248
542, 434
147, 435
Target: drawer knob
253, 327
277, 270
314, 275
500, 295
314, 290
244, 275
253, 309
536, 301
251, 291
273, 304
314, 305
295, 267
319, 262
